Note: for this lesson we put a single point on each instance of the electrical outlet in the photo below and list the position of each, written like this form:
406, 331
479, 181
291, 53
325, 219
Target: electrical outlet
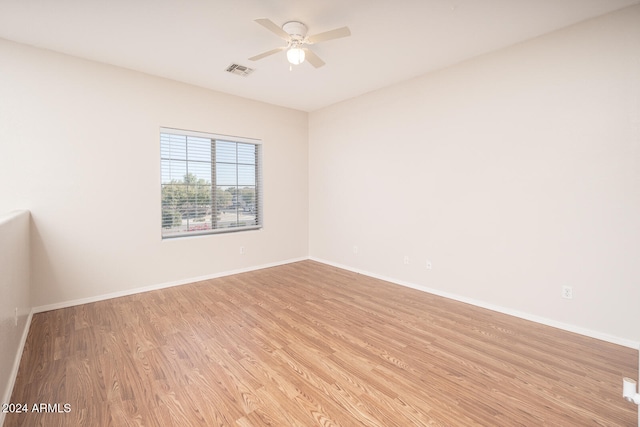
567, 292
429, 266
406, 259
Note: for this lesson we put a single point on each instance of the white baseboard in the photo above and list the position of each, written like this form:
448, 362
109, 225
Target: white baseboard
527, 316
16, 365
71, 303
538, 319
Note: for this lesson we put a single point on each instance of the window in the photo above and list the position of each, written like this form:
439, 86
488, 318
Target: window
210, 183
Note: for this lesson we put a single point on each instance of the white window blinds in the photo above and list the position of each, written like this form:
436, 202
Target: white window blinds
210, 183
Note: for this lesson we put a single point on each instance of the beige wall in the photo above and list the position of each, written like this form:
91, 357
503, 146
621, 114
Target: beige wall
80, 150
514, 173
14, 295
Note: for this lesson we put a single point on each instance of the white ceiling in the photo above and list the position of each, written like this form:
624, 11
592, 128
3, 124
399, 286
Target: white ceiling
194, 41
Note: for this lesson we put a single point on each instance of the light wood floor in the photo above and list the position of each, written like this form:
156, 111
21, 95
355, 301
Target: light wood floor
306, 344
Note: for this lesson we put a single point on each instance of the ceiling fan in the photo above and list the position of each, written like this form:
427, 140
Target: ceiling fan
295, 34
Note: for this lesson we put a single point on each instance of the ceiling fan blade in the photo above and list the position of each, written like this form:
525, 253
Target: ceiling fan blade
329, 35
269, 53
273, 27
313, 58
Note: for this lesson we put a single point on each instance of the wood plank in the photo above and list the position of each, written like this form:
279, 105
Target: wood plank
308, 344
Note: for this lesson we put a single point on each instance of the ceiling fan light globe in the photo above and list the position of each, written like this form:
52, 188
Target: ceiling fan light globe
295, 55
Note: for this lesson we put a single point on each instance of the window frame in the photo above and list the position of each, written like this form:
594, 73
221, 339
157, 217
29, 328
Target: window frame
258, 185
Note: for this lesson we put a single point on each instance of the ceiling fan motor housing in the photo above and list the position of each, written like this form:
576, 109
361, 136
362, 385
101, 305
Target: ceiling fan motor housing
297, 30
